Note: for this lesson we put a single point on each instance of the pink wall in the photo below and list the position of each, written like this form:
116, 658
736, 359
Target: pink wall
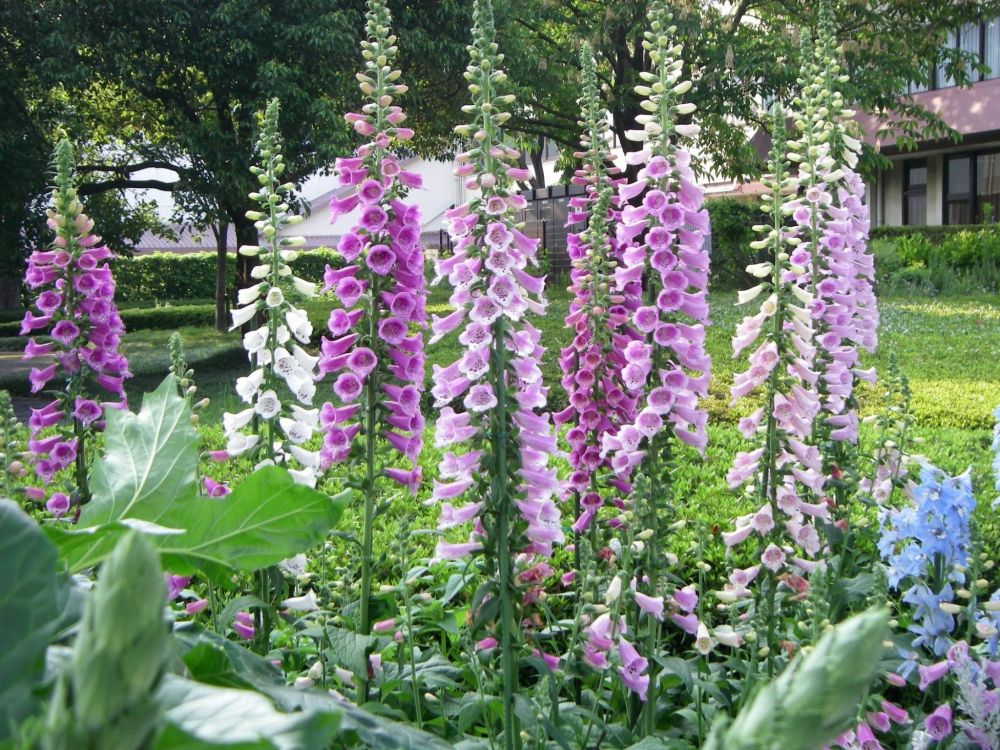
968, 110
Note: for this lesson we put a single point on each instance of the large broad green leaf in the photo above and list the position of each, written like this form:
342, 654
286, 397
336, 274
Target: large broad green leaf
32, 598
373, 731
214, 659
266, 519
203, 716
349, 649
150, 458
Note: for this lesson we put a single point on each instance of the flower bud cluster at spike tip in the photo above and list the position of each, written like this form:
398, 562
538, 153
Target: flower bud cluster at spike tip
377, 362
73, 293
667, 369
784, 470
498, 376
279, 391
598, 398
834, 218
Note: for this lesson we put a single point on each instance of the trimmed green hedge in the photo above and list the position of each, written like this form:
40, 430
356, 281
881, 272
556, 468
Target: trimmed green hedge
172, 276
934, 234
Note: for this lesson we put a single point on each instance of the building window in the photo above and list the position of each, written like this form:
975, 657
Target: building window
972, 188
970, 41
915, 192
991, 47
988, 187
958, 197
981, 40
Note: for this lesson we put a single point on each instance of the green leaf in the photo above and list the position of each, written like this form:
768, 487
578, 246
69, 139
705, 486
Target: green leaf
349, 649
265, 520
373, 731
150, 459
210, 665
32, 598
203, 716
244, 665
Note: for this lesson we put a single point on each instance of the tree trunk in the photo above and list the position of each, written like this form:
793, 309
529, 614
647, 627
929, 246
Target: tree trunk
537, 162
246, 234
221, 230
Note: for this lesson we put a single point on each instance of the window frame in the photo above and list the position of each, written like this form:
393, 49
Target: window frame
908, 189
972, 198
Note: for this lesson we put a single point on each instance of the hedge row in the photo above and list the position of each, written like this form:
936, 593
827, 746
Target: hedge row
161, 277
934, 234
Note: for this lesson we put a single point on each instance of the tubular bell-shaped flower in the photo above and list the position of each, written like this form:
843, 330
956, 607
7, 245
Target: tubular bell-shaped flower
504, 436
279, 392
668, 370
599, 402
377, 361
75, 295
662, 281
379, 364
782, 469
834, 221
498, 375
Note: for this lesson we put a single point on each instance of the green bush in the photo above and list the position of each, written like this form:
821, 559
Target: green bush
923, 259
172, 276
732, 232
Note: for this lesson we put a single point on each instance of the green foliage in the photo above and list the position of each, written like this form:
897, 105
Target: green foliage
149, 458
732, 221
200, 716
816, 697
146, 480
175, 276
926, 260
32, 597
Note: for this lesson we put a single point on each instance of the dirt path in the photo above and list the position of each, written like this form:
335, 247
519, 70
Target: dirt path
14, 375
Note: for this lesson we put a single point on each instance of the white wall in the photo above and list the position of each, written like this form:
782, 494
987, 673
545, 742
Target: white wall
441, 190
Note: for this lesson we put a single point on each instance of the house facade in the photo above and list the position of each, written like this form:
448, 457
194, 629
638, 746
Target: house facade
943, 182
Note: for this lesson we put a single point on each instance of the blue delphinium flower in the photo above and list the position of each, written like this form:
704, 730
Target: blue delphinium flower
926, 544
931, 624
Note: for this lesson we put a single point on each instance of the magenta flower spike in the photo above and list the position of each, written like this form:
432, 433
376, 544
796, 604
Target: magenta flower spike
782, 471
377, 362
599, 315
664, 224
492, 425
497, 379
834, 229
375, 350
74, 293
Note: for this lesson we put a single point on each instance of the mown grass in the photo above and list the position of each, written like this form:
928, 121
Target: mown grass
948, 347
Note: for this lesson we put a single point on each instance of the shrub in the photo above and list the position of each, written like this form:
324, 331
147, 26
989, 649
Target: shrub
926, 260
172, 276
732, 232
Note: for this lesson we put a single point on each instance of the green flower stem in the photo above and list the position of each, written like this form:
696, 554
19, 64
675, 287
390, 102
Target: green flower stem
370, 430
769, 475
501, 502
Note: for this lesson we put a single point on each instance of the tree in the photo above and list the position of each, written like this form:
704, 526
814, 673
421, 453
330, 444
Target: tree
742, 55
35, 109
188, 78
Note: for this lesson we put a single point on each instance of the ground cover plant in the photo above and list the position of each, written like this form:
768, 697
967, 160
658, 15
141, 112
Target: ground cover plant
644, 516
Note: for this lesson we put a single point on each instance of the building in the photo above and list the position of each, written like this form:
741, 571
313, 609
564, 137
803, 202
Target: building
943, 182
